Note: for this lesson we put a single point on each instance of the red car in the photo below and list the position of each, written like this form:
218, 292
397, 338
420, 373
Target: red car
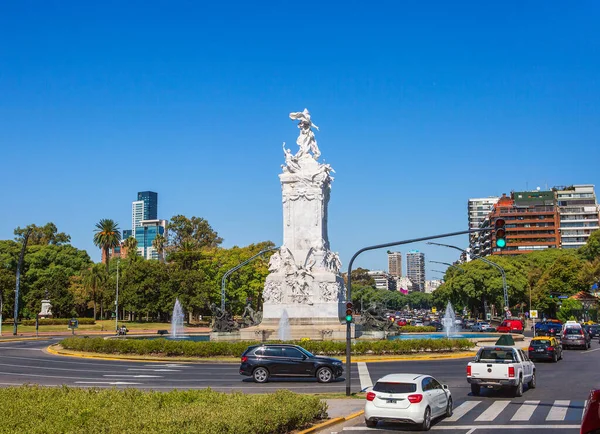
401, 322
510, 326
590, 423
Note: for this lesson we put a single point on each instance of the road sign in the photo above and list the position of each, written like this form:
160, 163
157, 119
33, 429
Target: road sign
563, 297
506, 308
433, 310
533, 313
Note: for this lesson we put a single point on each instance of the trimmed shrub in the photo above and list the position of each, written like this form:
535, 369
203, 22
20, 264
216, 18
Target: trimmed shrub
58, 321
164, 347
415, 329
37, 410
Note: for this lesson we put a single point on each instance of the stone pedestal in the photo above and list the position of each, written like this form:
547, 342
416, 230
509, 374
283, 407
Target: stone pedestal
46, 311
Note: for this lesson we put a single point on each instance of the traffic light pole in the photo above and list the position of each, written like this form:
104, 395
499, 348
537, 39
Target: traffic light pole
349, 285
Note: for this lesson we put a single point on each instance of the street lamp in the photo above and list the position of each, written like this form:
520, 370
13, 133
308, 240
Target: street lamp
117, 299
1, 307
493, 264
448, 264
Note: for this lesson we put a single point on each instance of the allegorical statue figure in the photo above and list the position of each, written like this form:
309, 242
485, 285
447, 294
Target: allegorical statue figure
306, 140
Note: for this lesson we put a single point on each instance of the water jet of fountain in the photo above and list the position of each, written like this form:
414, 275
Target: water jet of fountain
177, 321
284, 327
449, 321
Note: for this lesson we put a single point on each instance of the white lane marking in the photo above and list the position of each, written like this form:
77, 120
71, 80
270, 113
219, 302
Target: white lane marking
110, 383
134, 376
558, 410
591, 351
492, 411
170, 365
525, 411
486, 427
20, 348
153, 370
364, 376
471, 431
461, 410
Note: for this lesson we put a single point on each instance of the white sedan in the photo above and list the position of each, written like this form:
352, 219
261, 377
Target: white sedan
407, 398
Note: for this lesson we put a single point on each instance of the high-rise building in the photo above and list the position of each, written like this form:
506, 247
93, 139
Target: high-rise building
432, 285
578, 213
383, 280
137, 214
395, 264
150, 200
478, 209
415, 269
145, 235
127, 233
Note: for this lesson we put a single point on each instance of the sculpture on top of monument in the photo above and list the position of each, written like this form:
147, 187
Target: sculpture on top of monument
306, 140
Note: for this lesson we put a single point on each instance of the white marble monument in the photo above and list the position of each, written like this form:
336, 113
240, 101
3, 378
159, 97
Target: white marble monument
304, 278
46, 311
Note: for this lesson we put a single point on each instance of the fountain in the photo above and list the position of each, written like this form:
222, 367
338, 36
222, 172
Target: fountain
449, 321
284, 327
177, 321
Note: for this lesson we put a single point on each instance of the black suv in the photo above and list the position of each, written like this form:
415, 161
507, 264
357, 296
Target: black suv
280, 360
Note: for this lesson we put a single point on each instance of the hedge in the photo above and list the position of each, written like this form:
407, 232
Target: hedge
37, 410
164, 347
58, 321
415, 329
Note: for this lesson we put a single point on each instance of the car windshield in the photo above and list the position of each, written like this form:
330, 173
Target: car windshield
496, 354
540, 343
395, 387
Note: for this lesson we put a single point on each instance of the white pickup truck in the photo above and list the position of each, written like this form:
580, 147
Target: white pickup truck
499, 368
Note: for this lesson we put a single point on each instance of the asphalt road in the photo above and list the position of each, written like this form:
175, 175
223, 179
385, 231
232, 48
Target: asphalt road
554, 406
560, 394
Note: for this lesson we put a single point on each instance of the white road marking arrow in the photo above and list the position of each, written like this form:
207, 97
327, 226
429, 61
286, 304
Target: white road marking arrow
134, 376
154, 370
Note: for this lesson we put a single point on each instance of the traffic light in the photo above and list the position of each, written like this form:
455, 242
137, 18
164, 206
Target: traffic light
349, 311
500, 233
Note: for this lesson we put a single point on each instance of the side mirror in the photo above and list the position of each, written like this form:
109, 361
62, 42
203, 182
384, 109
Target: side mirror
445, 386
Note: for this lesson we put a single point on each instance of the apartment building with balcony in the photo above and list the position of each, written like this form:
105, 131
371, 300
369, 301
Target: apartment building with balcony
478, 210
578, 214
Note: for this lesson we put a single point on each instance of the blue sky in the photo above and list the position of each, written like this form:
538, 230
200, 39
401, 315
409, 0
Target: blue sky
421, 105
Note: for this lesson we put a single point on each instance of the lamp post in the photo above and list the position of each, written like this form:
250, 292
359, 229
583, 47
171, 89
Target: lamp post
448, 264
1, 307
493, 264
117, 299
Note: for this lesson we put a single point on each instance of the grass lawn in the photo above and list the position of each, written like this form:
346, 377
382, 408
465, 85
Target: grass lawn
101, 325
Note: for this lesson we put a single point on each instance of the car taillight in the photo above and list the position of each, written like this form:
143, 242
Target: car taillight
530, 349
511, 372
550, 348
371, 396
244, 359
468, 371
414, 399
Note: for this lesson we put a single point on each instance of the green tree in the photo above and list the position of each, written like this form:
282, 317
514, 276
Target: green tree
130, 245
591, 250
43, 235
194, 230
159, 243
570, 308
94, 280
107, 236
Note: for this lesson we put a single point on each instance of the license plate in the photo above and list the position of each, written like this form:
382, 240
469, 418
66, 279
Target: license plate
391, 401
540, 350
573, 337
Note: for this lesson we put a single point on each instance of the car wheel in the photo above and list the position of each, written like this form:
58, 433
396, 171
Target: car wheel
449, 409
532, 383
426, 425
371, 423
518, 391
475, 389
260, 375
324, 375
555, 358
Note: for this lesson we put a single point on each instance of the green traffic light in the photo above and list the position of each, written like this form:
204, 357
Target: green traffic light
501, 243
348, 318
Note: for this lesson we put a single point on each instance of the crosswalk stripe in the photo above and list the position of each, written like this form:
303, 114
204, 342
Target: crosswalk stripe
492, 411
558, 410
363, 374
461, 410
525, 411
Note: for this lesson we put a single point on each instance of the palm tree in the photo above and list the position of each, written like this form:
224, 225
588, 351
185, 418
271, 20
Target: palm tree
107, 236
159, 244
94, 279
130, 245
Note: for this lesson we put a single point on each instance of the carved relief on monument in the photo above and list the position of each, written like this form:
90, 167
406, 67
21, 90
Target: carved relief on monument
272, 292
330, 291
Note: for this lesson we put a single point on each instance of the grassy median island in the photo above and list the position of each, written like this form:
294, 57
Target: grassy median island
34, 409
167, 348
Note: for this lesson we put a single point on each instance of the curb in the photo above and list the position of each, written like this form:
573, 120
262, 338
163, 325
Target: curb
331, 422
56, 352
440, 357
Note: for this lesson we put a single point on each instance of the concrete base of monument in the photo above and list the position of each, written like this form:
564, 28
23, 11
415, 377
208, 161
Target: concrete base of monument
226, 336
316, 329
375, 335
